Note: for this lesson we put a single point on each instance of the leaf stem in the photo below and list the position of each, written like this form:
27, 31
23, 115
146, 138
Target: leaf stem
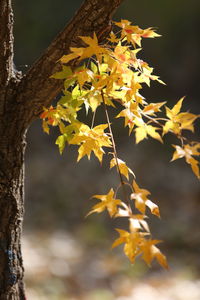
115, 150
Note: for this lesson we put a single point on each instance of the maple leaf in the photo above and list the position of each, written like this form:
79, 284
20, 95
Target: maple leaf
150, 33
188, 151
146, 74
92, 49
153, 207
178, 121
137, 222
131, 241
53, 116
84, 52
143, 130
122, 167
150, 251
141, 200
134, 34
83, 75
152, 108
112, 38
91, 140
140, 134
107, 202
60, 141
128, 118
140, 196
65, 73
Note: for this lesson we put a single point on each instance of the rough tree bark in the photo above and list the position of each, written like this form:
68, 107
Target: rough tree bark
22, 98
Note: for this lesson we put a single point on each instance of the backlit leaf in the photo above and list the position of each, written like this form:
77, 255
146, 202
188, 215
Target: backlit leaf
107, 202
122, 167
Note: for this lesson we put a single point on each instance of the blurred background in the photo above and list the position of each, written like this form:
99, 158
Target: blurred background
68, 256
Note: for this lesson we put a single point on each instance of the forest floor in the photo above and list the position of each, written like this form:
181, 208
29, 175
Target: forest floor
59, 266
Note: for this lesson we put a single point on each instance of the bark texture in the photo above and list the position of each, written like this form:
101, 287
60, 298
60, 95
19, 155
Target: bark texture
21, 101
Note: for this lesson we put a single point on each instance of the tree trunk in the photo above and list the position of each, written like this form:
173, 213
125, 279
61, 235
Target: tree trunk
12, 146
21, 101
11, 216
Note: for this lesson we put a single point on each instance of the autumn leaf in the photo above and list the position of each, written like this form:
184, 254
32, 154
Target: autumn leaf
137, 222
60, 141
179, 121
140, 134
151, 130
153, 207
131, 241
134, 34
130, 113
152, 108
84, 52
113, 38
65, 73
150, 251
93, 47
107, 202
141, 200
122, 167
140, 197
76, 53
143, 130
188, 151
91, 140
113, 75
150, 33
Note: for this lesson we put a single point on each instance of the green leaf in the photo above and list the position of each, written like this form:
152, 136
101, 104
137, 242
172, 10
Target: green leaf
66, 98
66, 72
61, 143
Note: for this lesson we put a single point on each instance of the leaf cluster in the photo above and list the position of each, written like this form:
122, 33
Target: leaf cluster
107, 75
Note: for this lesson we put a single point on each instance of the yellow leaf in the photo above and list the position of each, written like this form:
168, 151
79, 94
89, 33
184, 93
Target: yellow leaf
45, 126
150, 251
153, 207
186, 120
188, 151
194, 165
140, 134
149, 33
122, 167
152, 132
137, 222
143, 130
178, 121
171, 126
93, 48
177, 107
122, 239
60, 141
91, 140
113, 38
66, 58
152, 108
179, 153
107, 202
131, 241
140, 197
161, 258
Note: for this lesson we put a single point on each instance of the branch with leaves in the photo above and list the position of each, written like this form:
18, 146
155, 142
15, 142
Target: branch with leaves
110, 74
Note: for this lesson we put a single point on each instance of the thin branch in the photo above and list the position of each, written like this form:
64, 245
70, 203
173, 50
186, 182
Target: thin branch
115, 150
36, 89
